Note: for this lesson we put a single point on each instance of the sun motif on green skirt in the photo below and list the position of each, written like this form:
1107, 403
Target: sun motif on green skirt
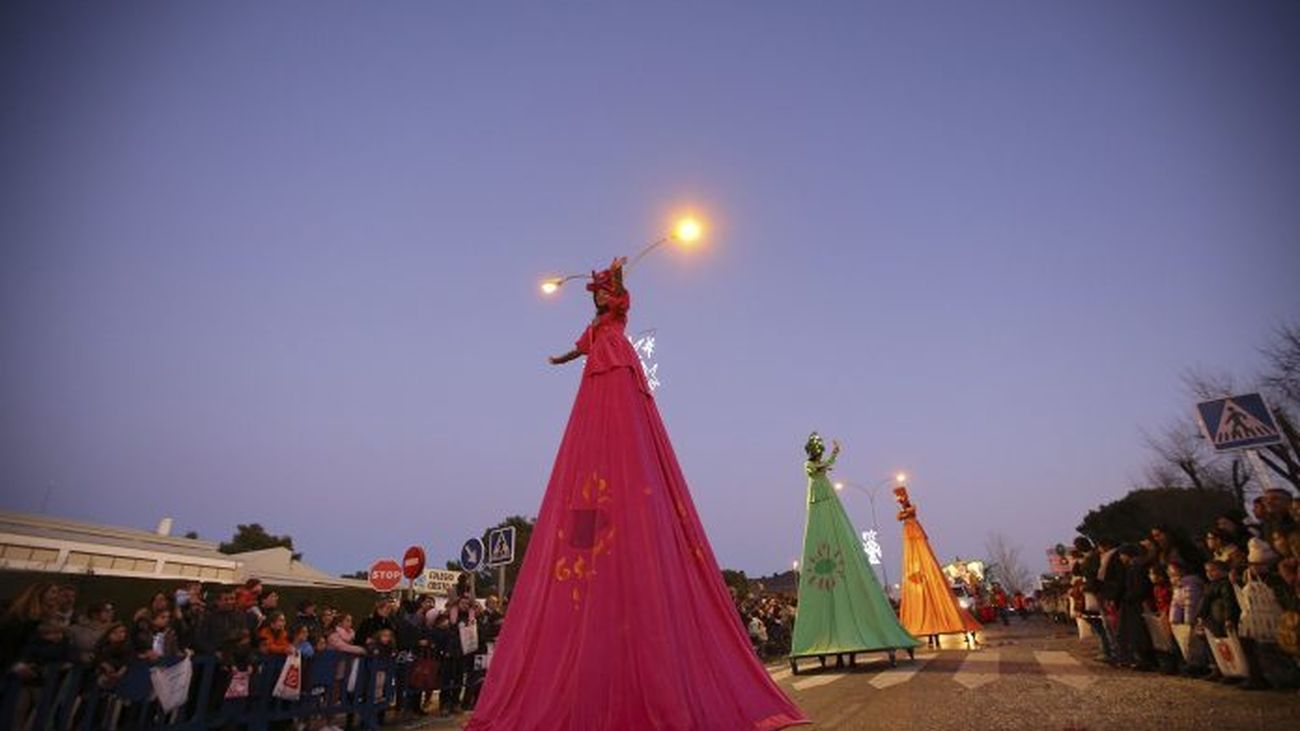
825, 567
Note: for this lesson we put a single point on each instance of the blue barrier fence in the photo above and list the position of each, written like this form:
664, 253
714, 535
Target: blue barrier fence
69, 698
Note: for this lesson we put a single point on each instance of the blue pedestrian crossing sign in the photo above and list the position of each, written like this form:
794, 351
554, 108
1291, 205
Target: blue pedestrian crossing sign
1238, 422
501, 546
471, 555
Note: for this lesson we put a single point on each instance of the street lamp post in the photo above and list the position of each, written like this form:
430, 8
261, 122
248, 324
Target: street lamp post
870, 492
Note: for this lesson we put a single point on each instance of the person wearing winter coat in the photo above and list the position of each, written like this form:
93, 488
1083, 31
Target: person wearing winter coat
273, 638
221, 626
1135, 649
1219, 611
86, 633
341, 635
379, 620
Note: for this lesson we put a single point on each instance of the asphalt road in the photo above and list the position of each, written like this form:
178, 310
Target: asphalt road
1031, 675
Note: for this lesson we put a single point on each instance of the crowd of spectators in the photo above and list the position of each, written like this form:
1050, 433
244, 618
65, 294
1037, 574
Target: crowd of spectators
45, 629
1237, 579
769, 619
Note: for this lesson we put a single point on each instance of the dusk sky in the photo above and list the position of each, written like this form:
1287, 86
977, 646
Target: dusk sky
278, 262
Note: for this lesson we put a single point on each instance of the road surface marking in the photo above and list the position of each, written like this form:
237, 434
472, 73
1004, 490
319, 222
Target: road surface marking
1064, 669
903, 673
815, 681
980, 668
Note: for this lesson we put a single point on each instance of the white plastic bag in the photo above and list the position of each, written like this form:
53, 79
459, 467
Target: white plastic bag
238, 687
469, 638
1183, 636
1260, 610
1085, 629
1228, 655
1162, 639
172, 684
289, 685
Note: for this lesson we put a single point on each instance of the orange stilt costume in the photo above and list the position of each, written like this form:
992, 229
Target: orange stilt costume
928, 605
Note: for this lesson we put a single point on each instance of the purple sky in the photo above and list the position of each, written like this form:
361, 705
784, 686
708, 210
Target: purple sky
279, 264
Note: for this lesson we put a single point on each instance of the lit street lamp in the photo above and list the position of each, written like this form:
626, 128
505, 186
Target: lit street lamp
870, 492
687, 231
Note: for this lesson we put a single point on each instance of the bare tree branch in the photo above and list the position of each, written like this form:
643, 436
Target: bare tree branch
1006, 564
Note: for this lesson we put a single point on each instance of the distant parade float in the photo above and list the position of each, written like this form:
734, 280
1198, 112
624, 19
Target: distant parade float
843, 611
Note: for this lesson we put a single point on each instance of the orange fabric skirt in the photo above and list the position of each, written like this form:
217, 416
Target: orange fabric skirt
928, 605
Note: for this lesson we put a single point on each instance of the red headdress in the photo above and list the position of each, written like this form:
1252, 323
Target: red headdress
610, 280
907, 509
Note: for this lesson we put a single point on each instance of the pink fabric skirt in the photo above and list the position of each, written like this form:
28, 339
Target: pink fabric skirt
620, 619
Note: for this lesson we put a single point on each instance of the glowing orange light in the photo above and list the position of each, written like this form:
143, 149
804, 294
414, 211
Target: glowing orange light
688, 230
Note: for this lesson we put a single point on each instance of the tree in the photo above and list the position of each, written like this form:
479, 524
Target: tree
193, 535
1187, 511
485, 579
737, 582
253, 537
363, 575
1005, 564
1182, 447
1283, 356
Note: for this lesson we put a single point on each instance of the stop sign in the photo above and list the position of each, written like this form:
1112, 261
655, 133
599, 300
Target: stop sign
385, 574
413, 562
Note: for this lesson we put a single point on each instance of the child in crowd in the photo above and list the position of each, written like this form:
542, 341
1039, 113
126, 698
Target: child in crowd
273, 638
155, 639
112, 656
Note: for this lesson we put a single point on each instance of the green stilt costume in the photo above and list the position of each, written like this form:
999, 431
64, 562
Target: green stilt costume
842, 608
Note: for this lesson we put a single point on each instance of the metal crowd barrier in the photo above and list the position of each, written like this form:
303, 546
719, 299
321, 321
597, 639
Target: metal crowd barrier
69, 698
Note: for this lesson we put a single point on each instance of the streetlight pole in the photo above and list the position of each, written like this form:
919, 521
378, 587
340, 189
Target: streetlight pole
870, 492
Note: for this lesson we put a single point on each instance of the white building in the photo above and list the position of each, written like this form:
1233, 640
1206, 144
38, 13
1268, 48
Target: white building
41, 543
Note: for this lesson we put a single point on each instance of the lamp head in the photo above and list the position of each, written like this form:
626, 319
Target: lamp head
688, 230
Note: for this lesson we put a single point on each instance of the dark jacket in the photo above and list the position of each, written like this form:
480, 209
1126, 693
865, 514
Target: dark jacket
1137, 584
1219, 605
1110, 588
315, 631
371, 626
217, 629
410, 632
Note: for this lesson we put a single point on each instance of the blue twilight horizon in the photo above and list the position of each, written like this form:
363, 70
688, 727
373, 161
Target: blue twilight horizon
279, 263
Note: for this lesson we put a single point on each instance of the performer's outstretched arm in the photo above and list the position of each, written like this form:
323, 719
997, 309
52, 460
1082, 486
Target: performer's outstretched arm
562, 359
830, 462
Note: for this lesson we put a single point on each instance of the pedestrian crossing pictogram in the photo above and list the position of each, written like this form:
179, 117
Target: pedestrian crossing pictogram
1238, 422
501, 546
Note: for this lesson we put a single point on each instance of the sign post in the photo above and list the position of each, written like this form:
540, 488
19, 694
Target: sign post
1241, 423
501, 553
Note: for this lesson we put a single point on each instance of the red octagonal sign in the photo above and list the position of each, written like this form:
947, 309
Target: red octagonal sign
413, 562
385, 574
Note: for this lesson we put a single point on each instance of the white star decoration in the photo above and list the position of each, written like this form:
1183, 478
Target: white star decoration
644, 345
871, 547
